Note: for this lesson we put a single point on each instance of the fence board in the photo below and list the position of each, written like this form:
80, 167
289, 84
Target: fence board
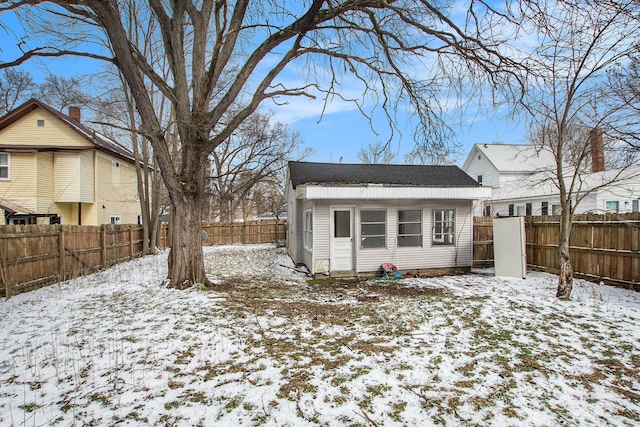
603, 247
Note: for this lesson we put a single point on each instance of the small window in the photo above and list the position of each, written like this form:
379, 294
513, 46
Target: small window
115, 219
139, 219
40, 123
528, 209
480, 179
613, 206
19, 221
115, 164
342, 223
444, 225
545, 208
410, 228
487, 210
307, 227
511, 210
636, 205
4, 165
373, 228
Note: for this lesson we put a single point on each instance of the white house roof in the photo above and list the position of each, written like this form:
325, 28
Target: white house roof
512, 157
542, 184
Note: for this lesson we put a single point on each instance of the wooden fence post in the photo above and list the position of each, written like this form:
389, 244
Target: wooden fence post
103, 239
130, 242
62, 273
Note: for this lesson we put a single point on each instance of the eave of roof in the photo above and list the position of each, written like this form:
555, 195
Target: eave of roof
101, 142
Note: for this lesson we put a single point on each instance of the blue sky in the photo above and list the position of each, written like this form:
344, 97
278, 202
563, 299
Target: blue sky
341, 132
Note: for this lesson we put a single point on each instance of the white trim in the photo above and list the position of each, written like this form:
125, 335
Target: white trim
115, 219
8, 166
352, 214
307, 233
385, 192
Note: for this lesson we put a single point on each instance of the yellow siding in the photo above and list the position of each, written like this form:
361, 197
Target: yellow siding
64, 210
54, 132
66, 169
44, 182
87, 186
21, 186
117, 199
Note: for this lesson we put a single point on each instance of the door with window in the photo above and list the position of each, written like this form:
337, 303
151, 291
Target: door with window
342, 239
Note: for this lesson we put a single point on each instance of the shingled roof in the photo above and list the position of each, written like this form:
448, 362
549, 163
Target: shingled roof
102, 142
392, 175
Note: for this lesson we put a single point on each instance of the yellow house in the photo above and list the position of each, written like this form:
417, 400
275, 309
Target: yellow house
54, 170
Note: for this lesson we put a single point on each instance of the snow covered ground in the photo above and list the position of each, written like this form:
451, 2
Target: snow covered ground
269, 348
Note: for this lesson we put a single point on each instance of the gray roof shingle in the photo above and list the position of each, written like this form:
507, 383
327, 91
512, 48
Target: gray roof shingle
393, 175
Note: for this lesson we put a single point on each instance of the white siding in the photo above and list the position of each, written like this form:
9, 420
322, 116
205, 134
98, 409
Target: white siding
482, 166
369, 260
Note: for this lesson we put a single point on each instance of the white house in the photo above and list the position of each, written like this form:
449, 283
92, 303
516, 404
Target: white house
351, 218
521, 178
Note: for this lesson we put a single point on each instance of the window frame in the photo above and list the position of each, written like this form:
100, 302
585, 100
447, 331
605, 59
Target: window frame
6, 166
363, 236
419, 222
307, 230
444, 226
611, 210
115, 219
545, 208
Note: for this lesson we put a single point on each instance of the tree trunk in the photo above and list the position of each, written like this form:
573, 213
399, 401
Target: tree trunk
565, 279
186, 265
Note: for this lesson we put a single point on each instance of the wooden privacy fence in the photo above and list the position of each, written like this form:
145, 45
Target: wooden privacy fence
603, 247
249, 232
33, 256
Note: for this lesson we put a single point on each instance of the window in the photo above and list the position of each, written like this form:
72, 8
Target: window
528, 209
613, 206
636, 205
307, 227
480, 179
487, 210
40, 123
341, 223
545, 208
4, 165
510, 210
444, 225
19, 221
139, 219
410, 228
115, 219
373, 228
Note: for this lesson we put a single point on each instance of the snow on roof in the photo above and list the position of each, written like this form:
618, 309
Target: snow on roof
515, 158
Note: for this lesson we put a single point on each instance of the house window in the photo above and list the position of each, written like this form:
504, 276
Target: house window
613, 206
40, 123
545, 208
115, 219
410, 228
139, 219
342, 223
19, 221
480, 179
487, 210
373, 228
4, 165
307, 227
511, 210
55, 220
636, 205
528, 209
444, 225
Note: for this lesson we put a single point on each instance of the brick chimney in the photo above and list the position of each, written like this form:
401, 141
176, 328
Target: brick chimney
74, 113
597, 150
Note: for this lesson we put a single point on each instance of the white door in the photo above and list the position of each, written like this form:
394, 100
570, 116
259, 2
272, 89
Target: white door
509, 250
342, 239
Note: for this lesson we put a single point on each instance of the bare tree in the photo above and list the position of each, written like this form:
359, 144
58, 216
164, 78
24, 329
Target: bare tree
254, 153
62, 92
233, 56
624, 106
577, 46
16, 86
377, 153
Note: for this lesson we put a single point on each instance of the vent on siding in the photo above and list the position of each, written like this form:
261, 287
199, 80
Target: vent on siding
40, 123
